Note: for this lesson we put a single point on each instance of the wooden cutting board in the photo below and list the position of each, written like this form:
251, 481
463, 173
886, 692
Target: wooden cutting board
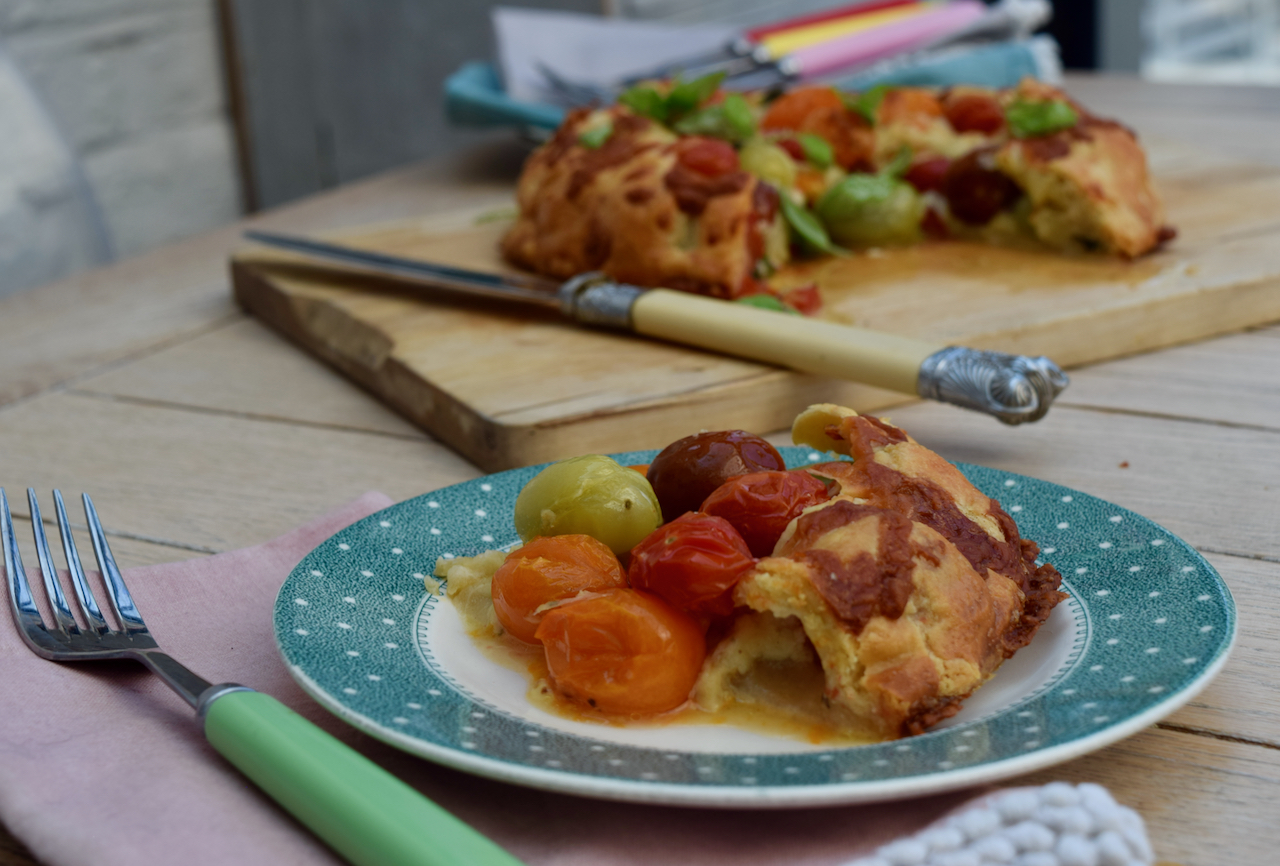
511, 387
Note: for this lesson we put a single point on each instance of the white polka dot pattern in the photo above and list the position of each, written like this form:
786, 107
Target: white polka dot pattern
354, 624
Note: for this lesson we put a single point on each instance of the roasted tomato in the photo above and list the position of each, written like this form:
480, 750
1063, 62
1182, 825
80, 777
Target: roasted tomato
974, 112
975, 190
821, 111
622, 652
709, 157
791, 110
693, 562
689, 469
761, 504
928, 174
546, 570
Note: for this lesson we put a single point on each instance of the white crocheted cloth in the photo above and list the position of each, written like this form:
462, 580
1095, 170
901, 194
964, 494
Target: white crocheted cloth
1055, 825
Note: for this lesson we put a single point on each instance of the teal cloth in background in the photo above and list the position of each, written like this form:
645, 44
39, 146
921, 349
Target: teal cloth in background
474, 95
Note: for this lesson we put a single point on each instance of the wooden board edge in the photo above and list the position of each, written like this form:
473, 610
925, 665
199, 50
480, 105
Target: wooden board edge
764, 403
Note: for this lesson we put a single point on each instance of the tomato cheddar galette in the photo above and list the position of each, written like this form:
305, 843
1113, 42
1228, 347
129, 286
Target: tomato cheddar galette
847, 601
685, 186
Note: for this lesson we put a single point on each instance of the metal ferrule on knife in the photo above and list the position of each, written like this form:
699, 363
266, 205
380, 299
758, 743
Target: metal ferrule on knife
1013, 388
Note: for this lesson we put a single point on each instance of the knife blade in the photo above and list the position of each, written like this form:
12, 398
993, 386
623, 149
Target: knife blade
1013, 388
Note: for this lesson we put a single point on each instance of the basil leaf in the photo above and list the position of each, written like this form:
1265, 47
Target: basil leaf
868, 103
596, 136
646, 102
767, 302
808, 228
1034, 119
688, 95
730, 120
817, 149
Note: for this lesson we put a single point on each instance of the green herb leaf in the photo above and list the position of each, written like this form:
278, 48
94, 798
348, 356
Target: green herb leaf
596, 136
868, 103
767, 302
686, 96
817, 149
1034, 119
731, 120
898, 167
809, 228
646, 102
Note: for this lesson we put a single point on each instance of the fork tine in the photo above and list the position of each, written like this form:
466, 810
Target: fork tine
84, 595
21, 603
61, 611
121, 600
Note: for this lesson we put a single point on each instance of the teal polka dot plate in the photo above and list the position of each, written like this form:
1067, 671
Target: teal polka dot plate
1147, 625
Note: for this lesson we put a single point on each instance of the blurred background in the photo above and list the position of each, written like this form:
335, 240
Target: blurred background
130, 123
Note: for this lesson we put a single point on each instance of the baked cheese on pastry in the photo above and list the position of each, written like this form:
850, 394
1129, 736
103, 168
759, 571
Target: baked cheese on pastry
684, 186
909, 586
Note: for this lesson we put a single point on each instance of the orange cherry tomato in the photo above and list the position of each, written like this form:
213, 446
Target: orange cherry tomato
709, 157
761, 504
693, 562
790, 110
908, 104
623, 652
547, 569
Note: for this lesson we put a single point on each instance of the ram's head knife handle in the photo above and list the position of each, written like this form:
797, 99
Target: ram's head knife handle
1013, 388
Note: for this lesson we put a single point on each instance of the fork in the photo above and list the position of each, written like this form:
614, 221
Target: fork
363, 812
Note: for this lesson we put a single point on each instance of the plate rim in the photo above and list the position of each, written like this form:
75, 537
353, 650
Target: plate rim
712, 796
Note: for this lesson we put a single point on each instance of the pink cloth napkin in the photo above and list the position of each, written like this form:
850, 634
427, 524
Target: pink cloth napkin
101, 764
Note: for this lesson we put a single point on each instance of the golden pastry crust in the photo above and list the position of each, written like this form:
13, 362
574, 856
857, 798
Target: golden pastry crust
627, 204
911, 585
628, 209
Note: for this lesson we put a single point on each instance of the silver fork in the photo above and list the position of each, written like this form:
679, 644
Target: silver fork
366, 814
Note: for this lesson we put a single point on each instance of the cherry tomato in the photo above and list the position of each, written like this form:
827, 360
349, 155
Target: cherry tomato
928, 174
693, 562
806, 299
623, 652
689, 469
975, 191
907, 104
790, 110
973, 112
548, 569
709, 157
792, 147
761, 504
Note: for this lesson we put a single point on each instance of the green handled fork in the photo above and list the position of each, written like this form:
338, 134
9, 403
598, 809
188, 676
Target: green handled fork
363, 812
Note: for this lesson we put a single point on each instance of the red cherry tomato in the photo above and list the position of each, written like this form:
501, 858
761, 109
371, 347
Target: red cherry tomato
928, 174
761, 504
792, 147
973, 112
623, 652
976, 191
693, 562
550, 568
709, 157
806, 299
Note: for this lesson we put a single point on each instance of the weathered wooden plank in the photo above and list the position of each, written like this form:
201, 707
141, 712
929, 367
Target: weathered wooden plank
1213, 485
239, 369
1201, 797
1226, 380
210, 480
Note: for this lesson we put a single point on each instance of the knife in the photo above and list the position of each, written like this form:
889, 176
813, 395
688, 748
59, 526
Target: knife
1013, 388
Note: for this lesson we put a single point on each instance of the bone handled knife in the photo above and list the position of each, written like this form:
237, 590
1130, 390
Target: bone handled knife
1013, 388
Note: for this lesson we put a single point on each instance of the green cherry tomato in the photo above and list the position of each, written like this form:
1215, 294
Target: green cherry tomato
591, 495
871, 209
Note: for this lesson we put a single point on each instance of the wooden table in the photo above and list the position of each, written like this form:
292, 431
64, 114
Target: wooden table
197, 430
